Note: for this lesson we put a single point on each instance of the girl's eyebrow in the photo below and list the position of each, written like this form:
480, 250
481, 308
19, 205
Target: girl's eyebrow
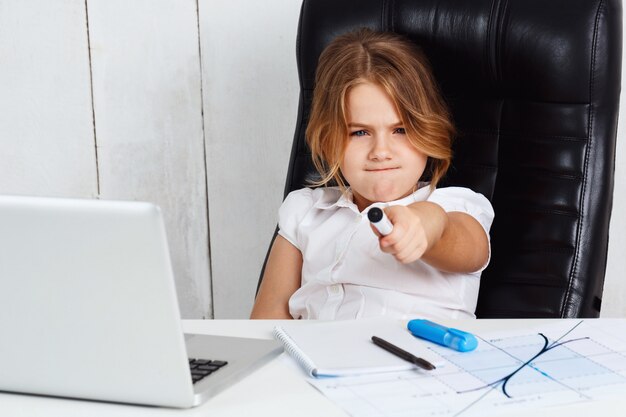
359, 124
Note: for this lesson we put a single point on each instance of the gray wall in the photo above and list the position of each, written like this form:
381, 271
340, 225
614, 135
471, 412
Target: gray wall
188, 104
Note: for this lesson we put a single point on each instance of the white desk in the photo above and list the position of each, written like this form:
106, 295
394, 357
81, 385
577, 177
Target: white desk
277, 389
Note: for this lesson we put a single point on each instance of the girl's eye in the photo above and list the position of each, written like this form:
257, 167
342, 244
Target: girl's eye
358, 133
400, 130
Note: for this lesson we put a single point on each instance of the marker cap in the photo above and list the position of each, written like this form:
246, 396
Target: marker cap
375, 214
380, 221
445, 336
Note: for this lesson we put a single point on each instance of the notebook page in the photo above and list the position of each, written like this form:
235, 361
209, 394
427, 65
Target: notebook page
338, 348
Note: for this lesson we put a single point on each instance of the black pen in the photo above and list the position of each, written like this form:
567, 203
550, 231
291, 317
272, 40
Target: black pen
401, 353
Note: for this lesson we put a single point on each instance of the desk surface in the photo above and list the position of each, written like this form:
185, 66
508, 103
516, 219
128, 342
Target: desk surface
277, 389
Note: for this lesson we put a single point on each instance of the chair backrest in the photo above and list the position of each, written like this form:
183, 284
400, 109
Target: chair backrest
534, 87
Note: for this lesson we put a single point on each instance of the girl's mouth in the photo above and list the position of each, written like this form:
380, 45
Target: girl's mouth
382, 169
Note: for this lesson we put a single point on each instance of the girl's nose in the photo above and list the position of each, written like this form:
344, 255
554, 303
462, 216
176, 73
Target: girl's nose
380, 149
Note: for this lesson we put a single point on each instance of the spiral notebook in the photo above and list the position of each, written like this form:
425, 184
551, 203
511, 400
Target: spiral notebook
343, 348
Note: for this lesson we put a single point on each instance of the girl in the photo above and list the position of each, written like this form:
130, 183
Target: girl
378, 129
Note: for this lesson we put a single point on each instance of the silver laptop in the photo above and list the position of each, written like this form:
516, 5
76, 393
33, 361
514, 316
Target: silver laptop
88, 308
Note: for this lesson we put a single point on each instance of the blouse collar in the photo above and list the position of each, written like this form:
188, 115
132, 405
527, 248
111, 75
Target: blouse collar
347, 199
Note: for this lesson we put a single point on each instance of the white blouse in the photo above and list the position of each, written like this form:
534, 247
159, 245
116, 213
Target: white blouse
345, 275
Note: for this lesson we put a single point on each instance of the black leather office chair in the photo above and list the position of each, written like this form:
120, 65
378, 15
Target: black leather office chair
534, 90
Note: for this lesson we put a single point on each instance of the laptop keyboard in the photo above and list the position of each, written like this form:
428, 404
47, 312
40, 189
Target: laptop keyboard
201, 368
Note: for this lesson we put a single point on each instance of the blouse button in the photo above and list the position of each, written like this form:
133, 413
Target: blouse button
335, 289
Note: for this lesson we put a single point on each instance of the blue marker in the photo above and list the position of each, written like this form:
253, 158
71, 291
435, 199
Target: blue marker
445, 336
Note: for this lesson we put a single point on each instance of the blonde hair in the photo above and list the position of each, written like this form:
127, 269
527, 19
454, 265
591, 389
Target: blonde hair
402, 70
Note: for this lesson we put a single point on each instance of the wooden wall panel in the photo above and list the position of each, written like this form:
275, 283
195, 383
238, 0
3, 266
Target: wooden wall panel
614, 295
251, 100
148, 113
46, 125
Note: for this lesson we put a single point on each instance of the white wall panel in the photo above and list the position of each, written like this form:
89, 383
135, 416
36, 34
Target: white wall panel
148, 112
251, 101
614, 296
46, 125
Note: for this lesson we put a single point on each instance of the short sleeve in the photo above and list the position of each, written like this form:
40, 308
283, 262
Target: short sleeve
297, 204
466, 201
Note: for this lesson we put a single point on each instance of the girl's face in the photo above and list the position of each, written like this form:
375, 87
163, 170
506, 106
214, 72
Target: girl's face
379, 163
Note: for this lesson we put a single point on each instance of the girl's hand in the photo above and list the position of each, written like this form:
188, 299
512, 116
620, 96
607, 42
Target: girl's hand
416, 229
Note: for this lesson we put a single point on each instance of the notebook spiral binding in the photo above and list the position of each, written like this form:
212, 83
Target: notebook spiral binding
294, 351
